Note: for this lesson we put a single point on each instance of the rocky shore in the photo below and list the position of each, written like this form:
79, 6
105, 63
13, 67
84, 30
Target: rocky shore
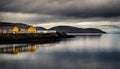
32, 37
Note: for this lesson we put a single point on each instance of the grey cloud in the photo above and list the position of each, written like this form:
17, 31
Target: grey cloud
33, 19
67, 8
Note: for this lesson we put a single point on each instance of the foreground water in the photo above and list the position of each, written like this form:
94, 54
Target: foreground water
82, 52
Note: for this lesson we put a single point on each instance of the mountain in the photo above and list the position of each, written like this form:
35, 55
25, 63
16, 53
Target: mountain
40, 28
70, 29
2, 24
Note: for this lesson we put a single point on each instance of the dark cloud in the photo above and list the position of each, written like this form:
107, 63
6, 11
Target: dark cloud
68, 8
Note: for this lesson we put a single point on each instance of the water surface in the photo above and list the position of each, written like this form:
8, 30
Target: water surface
81, 52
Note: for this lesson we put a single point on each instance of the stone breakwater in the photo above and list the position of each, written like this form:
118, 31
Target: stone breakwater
32, 37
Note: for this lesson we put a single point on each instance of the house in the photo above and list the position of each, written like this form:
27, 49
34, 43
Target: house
17, 29
8, 29
31, 29
46, 31
27, 29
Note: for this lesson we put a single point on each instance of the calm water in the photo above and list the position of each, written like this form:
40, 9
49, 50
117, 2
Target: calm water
82, 52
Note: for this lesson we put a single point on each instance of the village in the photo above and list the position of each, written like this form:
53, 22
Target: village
23, 33
23, 29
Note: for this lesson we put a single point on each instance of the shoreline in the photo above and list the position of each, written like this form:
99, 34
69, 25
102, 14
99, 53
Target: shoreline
6, 38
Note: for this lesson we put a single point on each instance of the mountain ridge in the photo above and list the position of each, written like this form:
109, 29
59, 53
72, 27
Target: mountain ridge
71, 29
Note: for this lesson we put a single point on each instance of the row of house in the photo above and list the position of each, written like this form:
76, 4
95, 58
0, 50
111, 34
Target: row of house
24, 29
18, 29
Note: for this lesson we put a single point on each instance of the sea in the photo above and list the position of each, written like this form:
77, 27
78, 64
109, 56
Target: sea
81, 52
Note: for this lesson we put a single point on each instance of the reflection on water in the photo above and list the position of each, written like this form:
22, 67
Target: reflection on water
17, 49
82, 52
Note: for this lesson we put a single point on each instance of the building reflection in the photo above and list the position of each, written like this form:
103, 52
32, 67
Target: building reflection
19, 49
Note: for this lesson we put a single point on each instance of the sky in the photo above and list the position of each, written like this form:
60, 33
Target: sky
50, 13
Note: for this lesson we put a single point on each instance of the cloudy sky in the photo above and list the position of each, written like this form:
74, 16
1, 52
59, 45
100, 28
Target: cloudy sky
61, 12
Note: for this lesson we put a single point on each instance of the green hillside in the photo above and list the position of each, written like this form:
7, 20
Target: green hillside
12, 24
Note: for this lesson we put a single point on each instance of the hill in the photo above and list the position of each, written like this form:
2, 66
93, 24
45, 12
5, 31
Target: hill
2, 24
70, 29
40, 28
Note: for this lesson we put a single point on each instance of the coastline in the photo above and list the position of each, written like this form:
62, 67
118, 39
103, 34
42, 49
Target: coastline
32, 37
